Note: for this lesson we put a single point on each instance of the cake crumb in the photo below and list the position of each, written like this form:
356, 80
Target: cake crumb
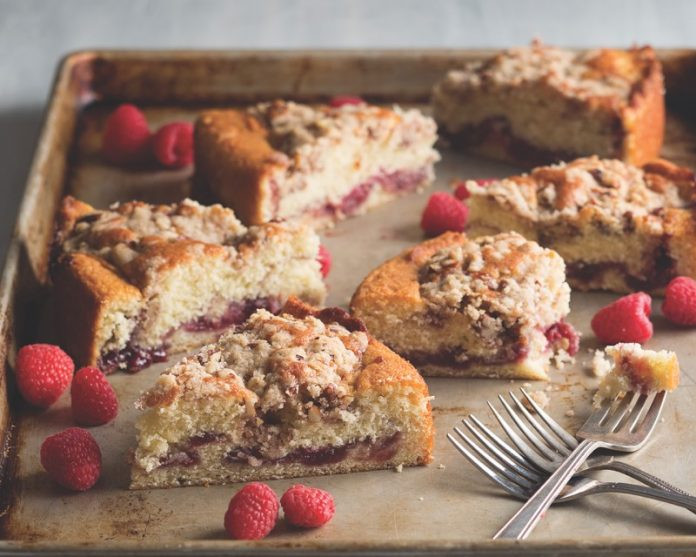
599, 365
421, 498
561, 359
570, 413
440, 466
399, 469
540, 397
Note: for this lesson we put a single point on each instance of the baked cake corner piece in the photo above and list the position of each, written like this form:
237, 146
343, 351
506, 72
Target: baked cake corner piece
285, 160
633, 368
617, 226
494, 306
305, 392
539, 104
138, 281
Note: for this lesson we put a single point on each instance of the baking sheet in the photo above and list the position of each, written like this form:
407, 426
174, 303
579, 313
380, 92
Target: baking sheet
446, 502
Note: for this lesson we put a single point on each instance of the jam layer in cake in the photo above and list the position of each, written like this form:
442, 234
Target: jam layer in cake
137, 282
284, 160
492, 307
304, 392
540, 104
617, 226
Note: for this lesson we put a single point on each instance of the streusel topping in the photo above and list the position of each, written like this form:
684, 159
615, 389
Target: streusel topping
280, 364
122, 233
498, 281
582, 75
292, 126
611, 188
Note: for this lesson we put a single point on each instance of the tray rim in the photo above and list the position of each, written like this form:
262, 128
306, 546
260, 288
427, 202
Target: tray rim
60, 93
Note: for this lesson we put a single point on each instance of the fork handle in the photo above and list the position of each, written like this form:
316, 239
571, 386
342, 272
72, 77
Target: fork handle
637, 474
685, 501
524, 520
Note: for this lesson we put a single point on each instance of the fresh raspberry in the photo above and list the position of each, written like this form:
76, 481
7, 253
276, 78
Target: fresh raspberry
625, 320
461, 192
341, 100
563, 335
307, 507
93, 398
679, 305
324, 259
72, 458
173, 145
252, 513
43, 372
126, 136
443, 212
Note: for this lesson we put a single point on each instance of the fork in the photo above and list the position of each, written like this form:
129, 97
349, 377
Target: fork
518, 475
622, 424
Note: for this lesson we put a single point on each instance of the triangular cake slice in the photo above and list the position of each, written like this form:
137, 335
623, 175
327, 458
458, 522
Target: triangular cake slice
305, 392
494, 306
137, 282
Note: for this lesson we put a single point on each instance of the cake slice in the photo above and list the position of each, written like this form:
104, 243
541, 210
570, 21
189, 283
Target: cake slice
302, 393
490, 307
618, 227
539, 104
634, 369
284, 160
138, 281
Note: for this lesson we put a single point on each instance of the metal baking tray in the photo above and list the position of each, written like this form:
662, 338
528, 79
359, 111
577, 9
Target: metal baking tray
447, 507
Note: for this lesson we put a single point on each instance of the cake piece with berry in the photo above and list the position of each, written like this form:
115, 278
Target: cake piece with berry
618, 227
490, 307
136, 282
634, 369
284, 160
540, 104
302, 393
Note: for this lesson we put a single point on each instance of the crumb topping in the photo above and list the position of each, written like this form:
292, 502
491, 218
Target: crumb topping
281, 365
609, 189
498, 281
294, 127
608, 74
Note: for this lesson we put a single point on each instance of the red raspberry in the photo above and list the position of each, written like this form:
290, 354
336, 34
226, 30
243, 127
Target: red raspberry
461, 192
173, 145
324, 259
443, 212
43, 372
679, 305
625, 320
341, 100
72, 458
563, 335
93, 398
252, 513
307, 507
126, 136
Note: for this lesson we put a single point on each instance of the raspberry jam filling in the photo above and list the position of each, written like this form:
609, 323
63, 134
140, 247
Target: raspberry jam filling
562, 335
513, 353
397, 182
133, 358
376, 450
590, 273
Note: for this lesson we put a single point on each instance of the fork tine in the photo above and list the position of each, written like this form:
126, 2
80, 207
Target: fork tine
529, 434
570, 441
625, 405
529, 452
653, 413
636, 412
517, 467
550, 440
503, 482
508, 473
521, 459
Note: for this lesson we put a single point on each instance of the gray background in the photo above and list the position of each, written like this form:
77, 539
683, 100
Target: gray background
35, 34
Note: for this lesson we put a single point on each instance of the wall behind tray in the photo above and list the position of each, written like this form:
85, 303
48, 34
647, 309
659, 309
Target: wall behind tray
34, 34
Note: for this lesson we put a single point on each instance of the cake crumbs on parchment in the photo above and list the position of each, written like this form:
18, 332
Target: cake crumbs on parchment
440, 466
540, 397
599, 366
570, 413
561, 359
421, 498
399, 469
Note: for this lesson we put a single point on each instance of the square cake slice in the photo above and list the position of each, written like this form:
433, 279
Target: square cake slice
632, 368
137, 281
284, 160
490, 307
617, 226
540, 104
302, 393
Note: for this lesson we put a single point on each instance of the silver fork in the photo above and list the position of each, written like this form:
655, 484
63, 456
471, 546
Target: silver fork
622, 424
517, 474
